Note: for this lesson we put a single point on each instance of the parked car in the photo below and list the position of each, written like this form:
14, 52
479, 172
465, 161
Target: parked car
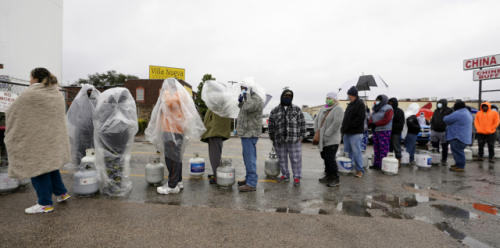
309, 126
265, 124
425, 135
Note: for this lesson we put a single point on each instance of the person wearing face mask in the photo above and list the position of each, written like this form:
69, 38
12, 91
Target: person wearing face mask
366, 132
329, 122
398, 124
287, 128
457, 133
421, 119
353, 128
438, 129
381, 124
486, 125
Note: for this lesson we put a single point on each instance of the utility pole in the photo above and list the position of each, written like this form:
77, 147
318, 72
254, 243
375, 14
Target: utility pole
232, 82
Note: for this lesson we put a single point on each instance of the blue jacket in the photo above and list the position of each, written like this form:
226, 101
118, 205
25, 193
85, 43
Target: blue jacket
459, 126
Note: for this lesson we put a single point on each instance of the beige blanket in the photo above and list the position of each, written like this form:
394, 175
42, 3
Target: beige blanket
36, 135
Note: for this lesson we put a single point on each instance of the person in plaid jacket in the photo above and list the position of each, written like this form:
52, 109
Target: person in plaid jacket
287, 127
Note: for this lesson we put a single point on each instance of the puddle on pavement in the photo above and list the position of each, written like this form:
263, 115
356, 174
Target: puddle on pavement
397, 202
363, 209
494, 210
415, 186
456, 212
312, 211
464, 239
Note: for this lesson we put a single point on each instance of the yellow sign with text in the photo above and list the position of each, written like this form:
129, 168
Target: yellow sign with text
160, 72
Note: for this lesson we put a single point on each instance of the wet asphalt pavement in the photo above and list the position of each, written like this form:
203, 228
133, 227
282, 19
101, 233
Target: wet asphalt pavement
435, 208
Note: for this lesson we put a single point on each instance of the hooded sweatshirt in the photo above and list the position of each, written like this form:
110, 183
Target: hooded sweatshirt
486, 122
437, 123
494, 106
286, 125
382, 115
398, 122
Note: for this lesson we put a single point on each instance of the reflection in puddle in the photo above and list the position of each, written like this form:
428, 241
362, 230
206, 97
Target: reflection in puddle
293, 211
486, 208
397, 202
466, 240
415, 186
362, 209
456, 212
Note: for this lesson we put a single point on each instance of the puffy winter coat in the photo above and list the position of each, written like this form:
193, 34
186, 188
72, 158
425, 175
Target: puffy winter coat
398, 121
437, 123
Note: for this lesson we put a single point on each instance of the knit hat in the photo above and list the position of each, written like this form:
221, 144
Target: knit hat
288, 93
459, 105
332, 95
352, 91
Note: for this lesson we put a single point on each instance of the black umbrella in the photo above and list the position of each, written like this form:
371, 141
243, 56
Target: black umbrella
364, 82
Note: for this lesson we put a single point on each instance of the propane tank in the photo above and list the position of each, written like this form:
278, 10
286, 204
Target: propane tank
365, 160
272, 168
197, 166
475, 150
339, 153
405, 157
372, 159
423, 161
7, 184
23, 183
344, 164
225, 174
435, 156
390, 164
85, 182
497, 152
468, 154
155, 171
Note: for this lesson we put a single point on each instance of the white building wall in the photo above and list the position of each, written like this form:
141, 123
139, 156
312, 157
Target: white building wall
30, 37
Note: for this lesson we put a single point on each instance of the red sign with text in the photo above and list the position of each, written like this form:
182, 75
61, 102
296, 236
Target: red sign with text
486, 74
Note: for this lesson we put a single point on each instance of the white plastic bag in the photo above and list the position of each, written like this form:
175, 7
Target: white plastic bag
174, 121
115, 125
249, 82
80, 124
221, 98
412, 110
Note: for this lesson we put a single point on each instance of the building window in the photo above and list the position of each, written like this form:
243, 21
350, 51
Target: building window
140, 95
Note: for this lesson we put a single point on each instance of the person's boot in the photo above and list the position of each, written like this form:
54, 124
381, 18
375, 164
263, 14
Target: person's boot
334, 182
399, 162
325, 179
435, 145
444, 155
241, 183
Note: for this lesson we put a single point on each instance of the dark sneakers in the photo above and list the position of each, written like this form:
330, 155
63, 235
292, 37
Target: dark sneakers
246, 188
492, 161
283, 179
213, 181
334, 182
444, 163
211, 176
479, 159
241, 183
325, 179
456, 169
296, 182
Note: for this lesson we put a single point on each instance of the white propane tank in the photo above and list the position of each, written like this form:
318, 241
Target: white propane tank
85, 181
155, 171
197, 166
372, 159
7, 184
365, 160
405, 157
272, 168
435, 156
226, 174
497, 152
468, 154
475, 150
424, 161
339, 153
23, 183
390, 164
344, 164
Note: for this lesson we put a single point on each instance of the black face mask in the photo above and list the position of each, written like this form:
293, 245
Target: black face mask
286, 101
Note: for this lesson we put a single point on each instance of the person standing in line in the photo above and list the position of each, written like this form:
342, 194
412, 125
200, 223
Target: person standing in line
329, 122
381, 124
457, 133
398, 124
353, 128
438, 129
421, 119
366, 132
287, 128
36, 138
411, 130
249, 128
486, 124
218, 131
474, 131
494, 108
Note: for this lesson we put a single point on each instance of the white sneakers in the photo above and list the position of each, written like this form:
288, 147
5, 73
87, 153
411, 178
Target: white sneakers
165, 190
63, 197
180, 185
39, 209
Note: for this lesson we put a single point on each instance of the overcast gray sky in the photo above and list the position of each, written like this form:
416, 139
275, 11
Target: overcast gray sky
313, 47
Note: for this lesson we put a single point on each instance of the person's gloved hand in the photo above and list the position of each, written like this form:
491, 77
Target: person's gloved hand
240, 99
373, 126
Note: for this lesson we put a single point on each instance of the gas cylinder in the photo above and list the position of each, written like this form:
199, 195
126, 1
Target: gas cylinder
339, 153
272, 168
7, 184
23, 183
85, 182
468, 154
365, 160
226, 174
405, 157
475, 150
423, 161
435, 156
197, 166
155, 171
344, 164
497, 152
372, 159
390, 164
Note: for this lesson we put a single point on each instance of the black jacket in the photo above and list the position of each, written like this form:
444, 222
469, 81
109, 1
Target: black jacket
398, 121
413, 125
437, 123
354, 118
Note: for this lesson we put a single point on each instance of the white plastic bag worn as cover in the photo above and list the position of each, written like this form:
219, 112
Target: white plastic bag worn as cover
412, 110
115, 125
221, 98
80, 124
174, 121
249, 82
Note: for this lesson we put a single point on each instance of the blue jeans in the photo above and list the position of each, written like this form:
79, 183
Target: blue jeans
457, 149
352, 145
47, 184
250, 159
410, 144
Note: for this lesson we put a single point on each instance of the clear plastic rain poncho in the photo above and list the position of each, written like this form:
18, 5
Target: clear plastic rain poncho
221, 98
254, 87
80, 124
174, 121
412, 110
115, 125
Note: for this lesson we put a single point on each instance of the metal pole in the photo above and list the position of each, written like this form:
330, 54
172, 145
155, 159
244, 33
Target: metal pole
480, 90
